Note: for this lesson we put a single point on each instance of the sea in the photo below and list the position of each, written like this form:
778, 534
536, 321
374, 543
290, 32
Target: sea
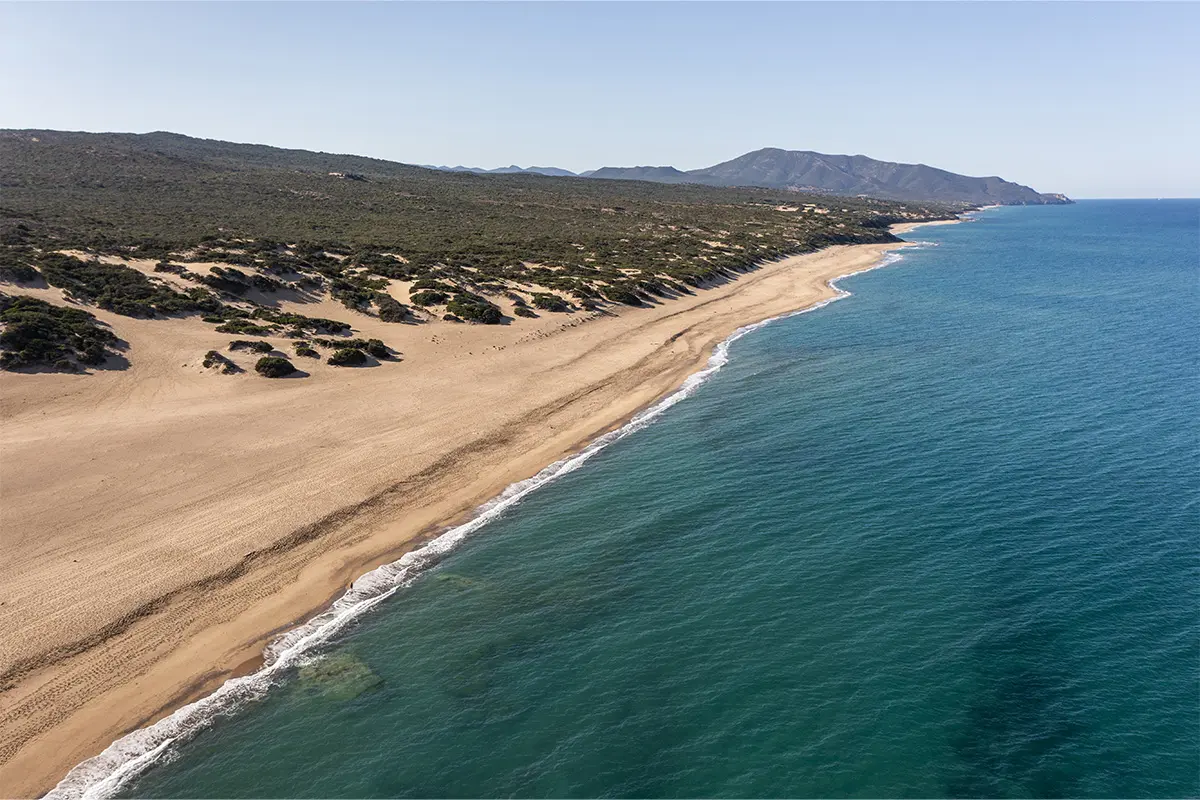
940, 538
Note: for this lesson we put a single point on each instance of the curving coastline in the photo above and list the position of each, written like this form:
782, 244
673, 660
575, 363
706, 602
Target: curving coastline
633, 378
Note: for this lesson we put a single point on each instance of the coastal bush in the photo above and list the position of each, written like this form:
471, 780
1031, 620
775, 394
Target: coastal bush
431, 284
243, 326
232, 281
391, 309
214, 359
14, 271
378, 349
265, 284
550, 302
428, 298
474, 308
352, 294
303, 349
37, 333
619, 294
301, 322
524, 311
254, 347
356, 343
273, 367
119, 289
347, 357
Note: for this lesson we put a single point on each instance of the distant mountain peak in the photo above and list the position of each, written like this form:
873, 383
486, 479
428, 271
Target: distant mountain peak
512, 169
776, 168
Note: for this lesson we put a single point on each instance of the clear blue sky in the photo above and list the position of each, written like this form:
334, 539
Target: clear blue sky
1092, 99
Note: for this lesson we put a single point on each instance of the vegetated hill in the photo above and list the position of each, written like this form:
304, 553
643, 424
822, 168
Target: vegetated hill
325, 225
125, 189
661, 174
804, 170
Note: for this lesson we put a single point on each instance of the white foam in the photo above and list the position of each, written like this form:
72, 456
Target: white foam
103, 775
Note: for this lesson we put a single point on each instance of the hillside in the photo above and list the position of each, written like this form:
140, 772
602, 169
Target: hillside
661, 174
803, 170
160, 225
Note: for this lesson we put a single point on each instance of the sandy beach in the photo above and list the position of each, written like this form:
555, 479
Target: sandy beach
161, 523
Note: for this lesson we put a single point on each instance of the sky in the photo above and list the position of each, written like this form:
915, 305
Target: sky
1090, 99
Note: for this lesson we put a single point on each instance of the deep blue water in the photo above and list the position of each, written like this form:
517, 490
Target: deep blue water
937, 539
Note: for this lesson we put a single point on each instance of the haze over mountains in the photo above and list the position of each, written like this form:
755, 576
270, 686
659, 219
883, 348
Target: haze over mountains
804, 170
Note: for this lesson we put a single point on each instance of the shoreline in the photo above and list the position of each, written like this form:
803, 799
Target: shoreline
239, 643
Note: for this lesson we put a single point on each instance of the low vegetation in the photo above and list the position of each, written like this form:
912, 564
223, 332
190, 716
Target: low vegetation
246, 327
391, 309
213, 359
34, 333
274, 367
473, 308
254, 347
348, 357
378, 349
16, 265
120, 289
550, 302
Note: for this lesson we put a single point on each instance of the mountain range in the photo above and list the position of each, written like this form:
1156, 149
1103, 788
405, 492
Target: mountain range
553, 172
804, 170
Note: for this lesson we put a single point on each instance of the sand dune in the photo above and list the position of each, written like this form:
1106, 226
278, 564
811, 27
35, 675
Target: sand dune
161, 522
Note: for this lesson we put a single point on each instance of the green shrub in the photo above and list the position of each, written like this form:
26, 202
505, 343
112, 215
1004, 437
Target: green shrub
336, 344
18, 273
301, 322
390, 309
37, 333
242, 326
303, 349
474, 308
223, 279
121, 290
352, 294
429, 298
433, 285
347, 357
524, 311
378, 349
214, 359
619, 294
274, 367
254, 347
550, 302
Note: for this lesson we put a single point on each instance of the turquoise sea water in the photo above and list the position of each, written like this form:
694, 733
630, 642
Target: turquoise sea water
936, 539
